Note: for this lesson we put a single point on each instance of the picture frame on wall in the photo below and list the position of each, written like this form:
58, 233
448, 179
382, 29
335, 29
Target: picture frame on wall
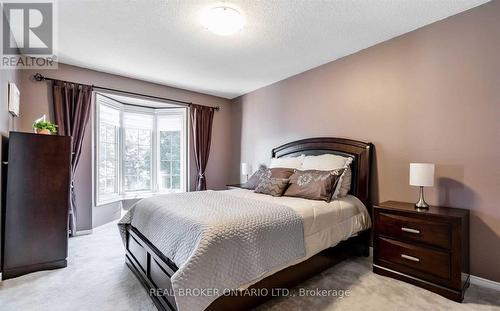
14, 99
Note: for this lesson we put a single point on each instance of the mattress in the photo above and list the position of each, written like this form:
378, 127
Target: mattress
325, 223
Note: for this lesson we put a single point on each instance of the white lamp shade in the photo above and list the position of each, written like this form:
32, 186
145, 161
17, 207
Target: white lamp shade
246, 169
422, 174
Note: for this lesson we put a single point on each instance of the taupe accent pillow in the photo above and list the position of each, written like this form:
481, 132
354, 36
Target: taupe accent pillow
313, 184
272, 186
279, 172
254, 180
264, 172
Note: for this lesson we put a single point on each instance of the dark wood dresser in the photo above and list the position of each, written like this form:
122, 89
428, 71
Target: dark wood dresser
427, 248
35, 211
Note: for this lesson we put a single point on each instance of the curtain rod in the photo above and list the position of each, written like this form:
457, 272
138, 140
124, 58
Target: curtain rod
40, 77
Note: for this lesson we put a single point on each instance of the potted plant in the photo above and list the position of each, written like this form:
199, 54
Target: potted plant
45, 127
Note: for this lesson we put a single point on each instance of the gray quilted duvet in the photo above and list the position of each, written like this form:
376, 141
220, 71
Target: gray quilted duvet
218, 241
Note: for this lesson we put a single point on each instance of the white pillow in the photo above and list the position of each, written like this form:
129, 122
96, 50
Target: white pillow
291, 162
328, 162
325, 162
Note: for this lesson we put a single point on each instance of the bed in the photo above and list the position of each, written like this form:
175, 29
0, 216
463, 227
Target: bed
332, 232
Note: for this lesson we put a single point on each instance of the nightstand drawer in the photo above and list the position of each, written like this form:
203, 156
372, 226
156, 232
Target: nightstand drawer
413, 229
427, 261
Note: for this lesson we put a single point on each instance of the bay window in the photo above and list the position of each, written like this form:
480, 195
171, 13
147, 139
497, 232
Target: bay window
139, 150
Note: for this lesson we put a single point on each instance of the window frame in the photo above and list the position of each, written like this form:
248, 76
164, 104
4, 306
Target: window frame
156, 113
184, 147
113, 197
148, 112
103, 155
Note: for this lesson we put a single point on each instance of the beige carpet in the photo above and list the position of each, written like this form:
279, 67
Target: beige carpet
97, 279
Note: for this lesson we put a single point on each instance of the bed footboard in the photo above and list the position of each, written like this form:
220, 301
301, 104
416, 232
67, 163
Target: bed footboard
152, 268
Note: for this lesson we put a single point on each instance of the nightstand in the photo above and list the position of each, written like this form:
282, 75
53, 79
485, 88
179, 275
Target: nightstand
429, 249
234, 186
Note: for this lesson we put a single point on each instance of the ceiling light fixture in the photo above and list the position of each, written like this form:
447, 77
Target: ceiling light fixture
223, 21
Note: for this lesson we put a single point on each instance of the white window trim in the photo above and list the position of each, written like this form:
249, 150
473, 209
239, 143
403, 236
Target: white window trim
155, 189
149, 112
184, 148
107, 199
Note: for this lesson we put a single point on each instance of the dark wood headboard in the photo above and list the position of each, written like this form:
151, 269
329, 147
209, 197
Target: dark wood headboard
359, 151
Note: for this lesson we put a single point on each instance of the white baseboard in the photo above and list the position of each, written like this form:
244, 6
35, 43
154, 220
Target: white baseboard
484, 282
83, 232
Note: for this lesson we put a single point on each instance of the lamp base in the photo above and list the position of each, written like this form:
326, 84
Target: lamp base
421, 204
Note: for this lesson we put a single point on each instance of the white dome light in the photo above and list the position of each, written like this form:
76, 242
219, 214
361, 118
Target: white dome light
223, 21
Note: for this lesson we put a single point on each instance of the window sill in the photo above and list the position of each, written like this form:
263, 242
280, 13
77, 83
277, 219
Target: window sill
133, 196
108, 201
139, 195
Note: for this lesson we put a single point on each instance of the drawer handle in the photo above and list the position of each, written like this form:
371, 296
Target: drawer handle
410, 230
415, 259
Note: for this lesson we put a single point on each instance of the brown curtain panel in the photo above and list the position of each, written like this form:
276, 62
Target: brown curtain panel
201, 123
72, 111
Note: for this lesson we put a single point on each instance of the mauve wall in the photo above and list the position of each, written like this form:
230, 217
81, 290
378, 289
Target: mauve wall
432, 95
7, 122
36, 100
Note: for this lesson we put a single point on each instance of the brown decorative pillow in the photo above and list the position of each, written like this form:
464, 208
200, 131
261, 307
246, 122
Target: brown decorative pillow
313, 184
263, 172
254, 180
279, 172
272, 186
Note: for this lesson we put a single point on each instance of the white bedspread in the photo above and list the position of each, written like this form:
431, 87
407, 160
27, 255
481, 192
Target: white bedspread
325, 224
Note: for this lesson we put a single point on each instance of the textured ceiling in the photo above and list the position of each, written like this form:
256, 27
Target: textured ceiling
163, 42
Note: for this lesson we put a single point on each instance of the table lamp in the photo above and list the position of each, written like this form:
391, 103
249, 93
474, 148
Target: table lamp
246, 170
422, 175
